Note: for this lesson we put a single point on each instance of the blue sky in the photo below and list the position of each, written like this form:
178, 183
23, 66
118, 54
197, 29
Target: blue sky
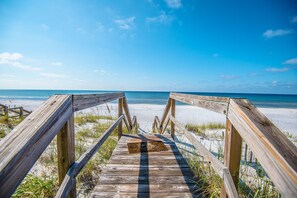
159, 45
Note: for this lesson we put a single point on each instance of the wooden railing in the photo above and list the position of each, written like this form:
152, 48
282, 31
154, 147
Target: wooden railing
17, 111
244, 122
22, 147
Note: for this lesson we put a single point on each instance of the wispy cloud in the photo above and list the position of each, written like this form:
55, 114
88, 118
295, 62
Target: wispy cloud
162, 18
174, 4
279, 70
45, 27
56, 63
11, 56
294, 19
53, 75
125, 24
292, 61
229, 76
274, 33
13, 59
101, 72
215, 55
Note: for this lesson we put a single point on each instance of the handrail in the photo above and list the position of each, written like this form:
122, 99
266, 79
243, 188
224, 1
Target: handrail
276, 153
213, 103
20, 113
21, 148
219, 168
75, 169
85, 101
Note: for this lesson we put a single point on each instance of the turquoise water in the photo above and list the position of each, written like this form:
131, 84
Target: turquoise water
139, 97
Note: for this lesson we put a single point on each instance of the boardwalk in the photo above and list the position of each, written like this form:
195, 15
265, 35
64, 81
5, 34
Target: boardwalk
146, 174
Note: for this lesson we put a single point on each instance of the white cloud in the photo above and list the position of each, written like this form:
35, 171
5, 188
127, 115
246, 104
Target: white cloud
294, 19
292, 61
100, 71
273, 33
53, 75
229, 76
175, 4
12, 59
279, 70
11, 56
162, 18
125, 24
56, 63
45, 27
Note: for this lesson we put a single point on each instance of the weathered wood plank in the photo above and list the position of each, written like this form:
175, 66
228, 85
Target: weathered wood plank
276, 153
127, 113
232, 154
143, 195
120, 113
164, 116
128, 170
216, 104
142, 179
66, 151
90, 100
144, 188
172, 125
21, 148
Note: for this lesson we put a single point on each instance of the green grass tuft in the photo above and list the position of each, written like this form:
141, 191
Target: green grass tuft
35, 186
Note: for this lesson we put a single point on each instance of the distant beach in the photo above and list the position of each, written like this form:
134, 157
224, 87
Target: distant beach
280, 109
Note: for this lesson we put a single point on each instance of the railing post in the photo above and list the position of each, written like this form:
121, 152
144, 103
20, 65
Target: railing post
6, 111
21, 112
232, 154
120, 112
66, 151
172, 125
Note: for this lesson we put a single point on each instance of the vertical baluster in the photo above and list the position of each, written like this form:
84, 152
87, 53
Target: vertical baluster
232, 154
120, 112
66, 151
172, 125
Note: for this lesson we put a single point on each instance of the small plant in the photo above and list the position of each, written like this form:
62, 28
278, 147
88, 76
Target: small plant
37, 186
201, 129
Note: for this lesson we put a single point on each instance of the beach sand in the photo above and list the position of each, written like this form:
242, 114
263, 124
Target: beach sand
284, 118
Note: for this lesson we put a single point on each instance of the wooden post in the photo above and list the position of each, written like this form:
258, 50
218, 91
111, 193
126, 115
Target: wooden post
245, 152
172, 125
66, 151
232, 154
6, 111
120, 112
21, 112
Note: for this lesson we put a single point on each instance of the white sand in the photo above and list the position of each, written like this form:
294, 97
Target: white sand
284, 118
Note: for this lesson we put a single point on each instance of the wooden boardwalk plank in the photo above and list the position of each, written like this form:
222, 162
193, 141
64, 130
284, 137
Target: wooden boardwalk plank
146, 174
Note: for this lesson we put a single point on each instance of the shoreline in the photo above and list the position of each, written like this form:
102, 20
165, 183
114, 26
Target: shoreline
283, 118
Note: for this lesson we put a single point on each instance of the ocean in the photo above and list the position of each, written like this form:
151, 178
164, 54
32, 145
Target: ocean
149, 97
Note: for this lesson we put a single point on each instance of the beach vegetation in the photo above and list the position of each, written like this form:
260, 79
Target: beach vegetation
82, 119
37, 186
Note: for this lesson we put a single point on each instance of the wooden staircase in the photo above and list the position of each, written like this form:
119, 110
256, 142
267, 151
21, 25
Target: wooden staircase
146, 174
